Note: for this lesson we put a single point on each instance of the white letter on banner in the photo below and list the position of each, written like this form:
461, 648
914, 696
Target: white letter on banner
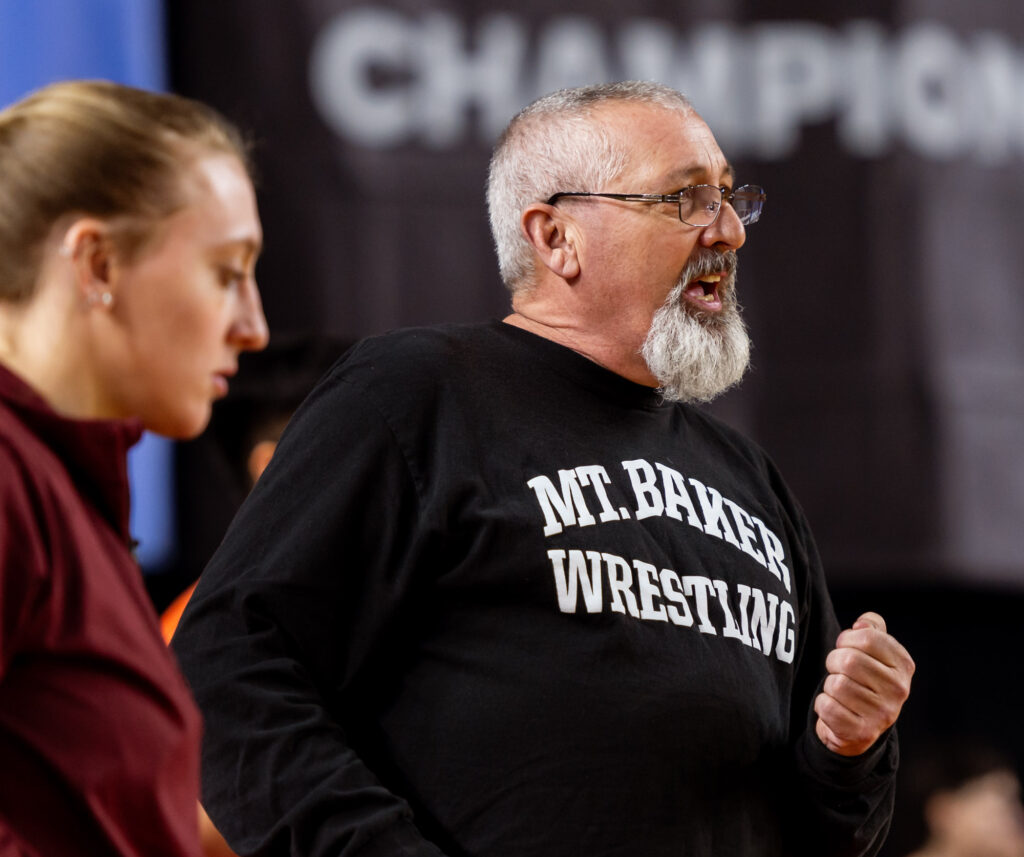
793, 64
343, 56
570, 52
995, 105
703, 67
865, 77
454, 79
931, 82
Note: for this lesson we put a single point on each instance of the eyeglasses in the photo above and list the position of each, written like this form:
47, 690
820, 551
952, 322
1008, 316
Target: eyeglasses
699, 204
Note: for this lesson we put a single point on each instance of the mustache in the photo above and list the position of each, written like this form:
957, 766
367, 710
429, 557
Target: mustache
710, 261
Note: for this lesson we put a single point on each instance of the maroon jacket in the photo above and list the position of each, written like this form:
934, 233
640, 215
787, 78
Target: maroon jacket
99, 737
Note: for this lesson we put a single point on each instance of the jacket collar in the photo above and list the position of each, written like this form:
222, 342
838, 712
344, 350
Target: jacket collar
93, 451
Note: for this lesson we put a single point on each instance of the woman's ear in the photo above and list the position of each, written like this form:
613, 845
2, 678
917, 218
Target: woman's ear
554, 239
89, 247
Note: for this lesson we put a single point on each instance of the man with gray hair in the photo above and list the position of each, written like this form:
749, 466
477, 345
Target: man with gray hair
504, 591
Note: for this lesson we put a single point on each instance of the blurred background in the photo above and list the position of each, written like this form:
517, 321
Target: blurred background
883, 287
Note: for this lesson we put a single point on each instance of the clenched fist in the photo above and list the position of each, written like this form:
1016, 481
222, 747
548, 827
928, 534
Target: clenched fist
868, 681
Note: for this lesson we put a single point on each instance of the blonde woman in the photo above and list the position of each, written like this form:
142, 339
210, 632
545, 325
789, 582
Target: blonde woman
129, 233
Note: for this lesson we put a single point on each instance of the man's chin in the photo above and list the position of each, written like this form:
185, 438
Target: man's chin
697, 356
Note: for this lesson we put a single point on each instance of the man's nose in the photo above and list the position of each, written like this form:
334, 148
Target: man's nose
727, 232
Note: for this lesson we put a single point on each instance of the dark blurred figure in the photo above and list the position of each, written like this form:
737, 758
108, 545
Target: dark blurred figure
958, 799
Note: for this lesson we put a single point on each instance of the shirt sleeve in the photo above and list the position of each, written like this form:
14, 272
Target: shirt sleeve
851, 799
286, 625
842, 806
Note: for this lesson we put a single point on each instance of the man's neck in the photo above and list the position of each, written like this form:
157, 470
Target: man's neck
606, 352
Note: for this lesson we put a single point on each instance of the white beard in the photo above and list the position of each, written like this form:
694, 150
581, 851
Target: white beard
696, 356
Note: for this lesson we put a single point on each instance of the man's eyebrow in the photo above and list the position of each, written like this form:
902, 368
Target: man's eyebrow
686, 175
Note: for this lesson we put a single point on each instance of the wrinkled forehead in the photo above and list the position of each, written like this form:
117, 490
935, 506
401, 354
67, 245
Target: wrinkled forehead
665, 146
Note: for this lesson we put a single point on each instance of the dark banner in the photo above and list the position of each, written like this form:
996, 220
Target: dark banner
882, 286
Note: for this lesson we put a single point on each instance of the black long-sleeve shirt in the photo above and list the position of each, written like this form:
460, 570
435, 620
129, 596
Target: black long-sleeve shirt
491, 599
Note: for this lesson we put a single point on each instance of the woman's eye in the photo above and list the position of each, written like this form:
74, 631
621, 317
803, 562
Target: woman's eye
231, 276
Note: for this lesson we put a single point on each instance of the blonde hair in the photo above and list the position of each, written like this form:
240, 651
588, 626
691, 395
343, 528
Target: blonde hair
555, 144
99, 149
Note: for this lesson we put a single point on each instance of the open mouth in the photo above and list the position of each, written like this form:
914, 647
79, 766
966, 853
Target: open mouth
703, 291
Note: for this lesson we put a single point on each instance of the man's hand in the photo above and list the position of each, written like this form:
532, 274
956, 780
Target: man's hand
868, 682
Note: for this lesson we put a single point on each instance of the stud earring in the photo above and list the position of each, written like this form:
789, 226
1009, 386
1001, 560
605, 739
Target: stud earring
104, 298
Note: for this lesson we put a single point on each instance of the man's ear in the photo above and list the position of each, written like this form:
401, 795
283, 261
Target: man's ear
89, 246
553, 237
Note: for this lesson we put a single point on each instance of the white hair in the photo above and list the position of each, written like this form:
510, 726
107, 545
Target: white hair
695, 356
555, 145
